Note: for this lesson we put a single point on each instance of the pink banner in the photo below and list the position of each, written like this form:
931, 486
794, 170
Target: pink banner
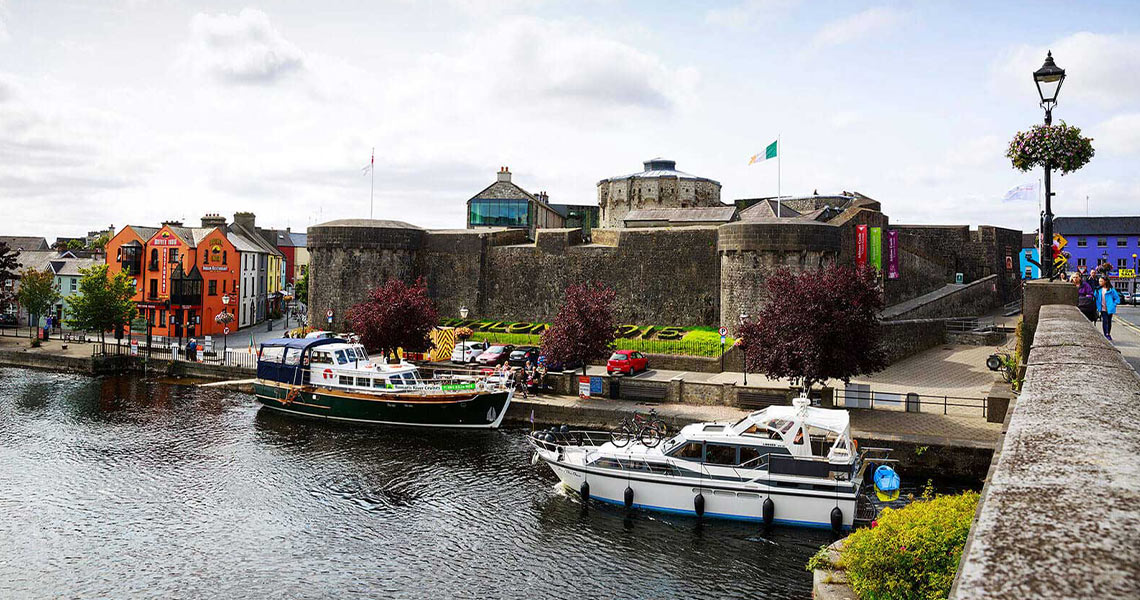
892, 254
861, 245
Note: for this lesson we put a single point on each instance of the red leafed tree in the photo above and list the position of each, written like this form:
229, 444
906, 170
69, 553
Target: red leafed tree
816, 326
584, 329
395, 315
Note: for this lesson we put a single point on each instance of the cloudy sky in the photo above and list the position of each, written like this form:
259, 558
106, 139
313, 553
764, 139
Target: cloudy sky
136, 111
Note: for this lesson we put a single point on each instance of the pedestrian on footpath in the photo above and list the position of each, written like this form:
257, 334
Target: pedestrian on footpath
1085, 301
1106, 298
520, 381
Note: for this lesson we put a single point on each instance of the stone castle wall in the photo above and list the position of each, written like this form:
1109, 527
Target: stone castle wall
683, 276
617, 197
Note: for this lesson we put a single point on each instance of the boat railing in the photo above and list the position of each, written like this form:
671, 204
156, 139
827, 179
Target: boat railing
445, 384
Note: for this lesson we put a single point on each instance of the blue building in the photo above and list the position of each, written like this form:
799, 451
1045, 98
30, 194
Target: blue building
1029, 252
1096, 240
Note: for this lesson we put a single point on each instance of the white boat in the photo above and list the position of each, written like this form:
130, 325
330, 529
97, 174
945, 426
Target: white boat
794, 465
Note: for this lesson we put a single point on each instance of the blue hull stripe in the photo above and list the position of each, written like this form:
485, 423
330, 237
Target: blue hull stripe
690, 513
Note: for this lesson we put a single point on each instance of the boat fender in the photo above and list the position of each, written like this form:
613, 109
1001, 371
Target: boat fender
836, 519
534, 459
769, 511
699, 504
564, 429
584, 491
628, 497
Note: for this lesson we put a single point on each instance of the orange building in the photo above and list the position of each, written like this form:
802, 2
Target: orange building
184, 276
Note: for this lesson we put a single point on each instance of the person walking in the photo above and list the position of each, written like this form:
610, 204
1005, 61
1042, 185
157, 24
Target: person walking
1085, 301
1106, 298
520, 381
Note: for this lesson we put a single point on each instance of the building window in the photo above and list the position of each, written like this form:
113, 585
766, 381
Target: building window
75, 283
1121, 263
213, 287
154, 259
1028, 255
499, 213
1082, 242
1080, 262
1121, 286
153, 288
1101, 242
1121, 242
223, 257
1029, 273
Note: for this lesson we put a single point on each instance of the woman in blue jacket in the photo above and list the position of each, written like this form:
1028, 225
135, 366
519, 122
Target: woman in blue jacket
1106, 300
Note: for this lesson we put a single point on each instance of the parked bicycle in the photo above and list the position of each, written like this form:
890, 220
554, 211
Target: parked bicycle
649, 429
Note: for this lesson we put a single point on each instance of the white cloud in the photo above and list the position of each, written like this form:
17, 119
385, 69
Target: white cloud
242, 49
749, 13
1099, 68
4, 16
1120, 134
856, 26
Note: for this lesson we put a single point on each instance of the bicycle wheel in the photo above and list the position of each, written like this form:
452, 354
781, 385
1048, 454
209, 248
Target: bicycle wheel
650, 436
662, 427
621, 436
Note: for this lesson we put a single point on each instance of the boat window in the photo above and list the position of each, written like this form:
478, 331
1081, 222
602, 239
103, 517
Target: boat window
691, 451
719, 454
672, 443
321, 357
748, 456
293, 356
380, 382
343, 358
272, 354
364, 381
361, 354
345, 380
410, 377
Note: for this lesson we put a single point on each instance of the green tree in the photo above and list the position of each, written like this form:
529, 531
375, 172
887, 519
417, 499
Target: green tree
301, 288
37, 293
75, 244
102, 302
99, 243
9, 262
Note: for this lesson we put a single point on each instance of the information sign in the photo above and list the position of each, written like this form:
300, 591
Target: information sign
583, 387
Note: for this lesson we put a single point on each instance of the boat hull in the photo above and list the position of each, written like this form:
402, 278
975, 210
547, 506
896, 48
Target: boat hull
484, 410
742, 502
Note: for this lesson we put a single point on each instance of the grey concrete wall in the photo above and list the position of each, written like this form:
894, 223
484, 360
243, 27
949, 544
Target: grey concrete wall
1059, 511
974, 299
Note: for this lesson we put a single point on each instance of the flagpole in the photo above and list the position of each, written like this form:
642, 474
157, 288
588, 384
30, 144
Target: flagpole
779, 161
372, 189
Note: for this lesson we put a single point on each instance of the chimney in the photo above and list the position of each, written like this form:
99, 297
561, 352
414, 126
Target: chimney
213, 220
504, 174
173, 223
245, 219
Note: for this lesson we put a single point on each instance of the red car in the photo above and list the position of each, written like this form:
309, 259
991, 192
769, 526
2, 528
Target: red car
495, 355
626, 361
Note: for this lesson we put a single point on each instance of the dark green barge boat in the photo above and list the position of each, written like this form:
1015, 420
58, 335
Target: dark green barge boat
334, 379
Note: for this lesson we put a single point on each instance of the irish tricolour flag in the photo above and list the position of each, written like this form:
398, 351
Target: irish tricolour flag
768, 153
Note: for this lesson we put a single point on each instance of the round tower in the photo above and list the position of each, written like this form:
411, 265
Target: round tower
658, 185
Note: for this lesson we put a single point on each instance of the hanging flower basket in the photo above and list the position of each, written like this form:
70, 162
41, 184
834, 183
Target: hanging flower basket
1061, 147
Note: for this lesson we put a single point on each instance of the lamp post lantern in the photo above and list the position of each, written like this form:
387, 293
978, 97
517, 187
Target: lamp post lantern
463, 312
1048, 79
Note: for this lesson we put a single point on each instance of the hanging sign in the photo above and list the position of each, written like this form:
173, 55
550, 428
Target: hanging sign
875, 248
892, 254
860, 245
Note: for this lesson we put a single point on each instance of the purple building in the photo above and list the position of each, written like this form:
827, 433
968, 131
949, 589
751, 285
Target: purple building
1094, 240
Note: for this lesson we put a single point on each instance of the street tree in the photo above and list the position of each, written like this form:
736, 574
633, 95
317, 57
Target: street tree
9, 263
37, 293
584, 329
395, 315
103, 302
817, 325
301, 288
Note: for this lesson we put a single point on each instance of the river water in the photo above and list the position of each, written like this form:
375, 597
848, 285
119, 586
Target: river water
118, 487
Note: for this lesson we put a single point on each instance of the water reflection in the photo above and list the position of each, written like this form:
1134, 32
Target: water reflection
122, 487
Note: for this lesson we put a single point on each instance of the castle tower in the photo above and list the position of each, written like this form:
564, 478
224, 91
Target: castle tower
659, 185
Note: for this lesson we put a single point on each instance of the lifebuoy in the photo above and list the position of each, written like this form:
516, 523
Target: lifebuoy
480, 385
854, 445
290, 397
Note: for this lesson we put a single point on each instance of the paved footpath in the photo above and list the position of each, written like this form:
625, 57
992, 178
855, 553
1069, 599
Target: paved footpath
1126, 334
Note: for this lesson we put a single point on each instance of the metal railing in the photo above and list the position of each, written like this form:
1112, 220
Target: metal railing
971, 324
238, 358
908, 401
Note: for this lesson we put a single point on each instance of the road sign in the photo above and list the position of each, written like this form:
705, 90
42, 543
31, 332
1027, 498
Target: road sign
1126, 272
723, 331
329, 313
1059, 242
226, 331
225, 299
958, 278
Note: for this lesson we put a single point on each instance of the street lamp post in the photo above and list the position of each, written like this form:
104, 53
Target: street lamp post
1135, 266
744, 320
463, 312
1048, 79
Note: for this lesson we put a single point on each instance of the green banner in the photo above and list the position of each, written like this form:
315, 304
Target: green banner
875, 248
458, 387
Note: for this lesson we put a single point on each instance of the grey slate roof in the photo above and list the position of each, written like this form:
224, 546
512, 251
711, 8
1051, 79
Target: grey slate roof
1097, 225
766, 209
700, 214
384, 224
25, 242
300, 240
69, 267
37, 259
660, 167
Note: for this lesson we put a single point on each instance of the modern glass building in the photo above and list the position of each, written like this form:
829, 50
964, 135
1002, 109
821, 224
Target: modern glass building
504, 204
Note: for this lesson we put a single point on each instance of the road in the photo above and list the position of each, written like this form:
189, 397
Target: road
1126, 334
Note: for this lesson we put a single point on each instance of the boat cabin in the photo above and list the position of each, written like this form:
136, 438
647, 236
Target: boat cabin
331, 362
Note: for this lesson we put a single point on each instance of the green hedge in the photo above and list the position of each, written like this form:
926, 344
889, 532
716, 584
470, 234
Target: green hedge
913, 552
691, 345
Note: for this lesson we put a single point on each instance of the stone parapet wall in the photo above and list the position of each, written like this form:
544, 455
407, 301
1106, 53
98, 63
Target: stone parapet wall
1058, 515
907, 338
975, 299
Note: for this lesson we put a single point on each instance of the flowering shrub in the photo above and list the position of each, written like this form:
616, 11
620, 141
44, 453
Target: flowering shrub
913, 552
1059, 146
